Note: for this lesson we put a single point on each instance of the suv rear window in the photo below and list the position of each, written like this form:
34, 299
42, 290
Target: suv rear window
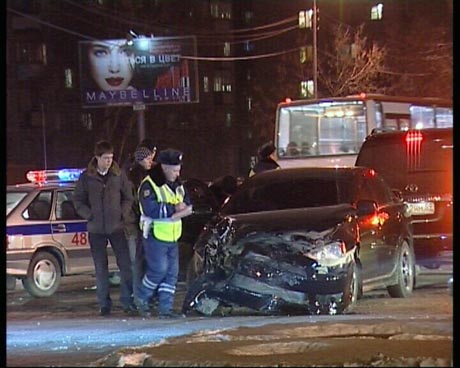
428, 163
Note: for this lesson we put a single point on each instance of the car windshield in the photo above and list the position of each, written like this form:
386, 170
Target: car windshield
288, 194
13, 199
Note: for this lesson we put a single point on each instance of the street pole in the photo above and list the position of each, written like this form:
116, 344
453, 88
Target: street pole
315, 53
140, 110
44, 135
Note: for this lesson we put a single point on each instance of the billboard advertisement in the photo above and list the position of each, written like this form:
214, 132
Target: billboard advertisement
145, 71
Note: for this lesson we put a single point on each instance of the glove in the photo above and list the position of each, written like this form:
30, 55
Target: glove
145, 225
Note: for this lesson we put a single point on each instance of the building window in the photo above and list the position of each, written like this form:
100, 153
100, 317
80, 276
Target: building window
68, 78
305, 18
307, 89
222, 81
221, 9
205, 83
306, 54
227, 48
248, 46
249, 102
228, 119
31, 53
87, 121
354, 50
377, 12
248, 15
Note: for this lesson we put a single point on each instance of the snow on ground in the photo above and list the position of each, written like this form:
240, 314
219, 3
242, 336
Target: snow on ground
359, 343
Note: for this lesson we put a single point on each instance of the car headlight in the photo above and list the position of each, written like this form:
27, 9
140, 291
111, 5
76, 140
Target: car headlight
331, 253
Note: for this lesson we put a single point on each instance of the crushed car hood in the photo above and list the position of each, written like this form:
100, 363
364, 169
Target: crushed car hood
262, 261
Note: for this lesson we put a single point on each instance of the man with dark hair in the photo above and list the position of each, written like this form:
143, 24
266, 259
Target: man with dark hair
266, 159
162, 197
104, 198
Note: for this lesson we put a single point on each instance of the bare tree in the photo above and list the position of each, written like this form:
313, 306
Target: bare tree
424, 66
275, 81
350, 63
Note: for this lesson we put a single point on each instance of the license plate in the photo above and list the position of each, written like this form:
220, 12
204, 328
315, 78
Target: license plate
421, 208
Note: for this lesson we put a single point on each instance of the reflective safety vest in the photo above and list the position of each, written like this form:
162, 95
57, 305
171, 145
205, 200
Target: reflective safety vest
163, 228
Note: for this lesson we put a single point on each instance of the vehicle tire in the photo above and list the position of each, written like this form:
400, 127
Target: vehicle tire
351, 296
43, 276
405, 273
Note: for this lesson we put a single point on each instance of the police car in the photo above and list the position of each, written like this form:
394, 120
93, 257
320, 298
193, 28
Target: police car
45, 238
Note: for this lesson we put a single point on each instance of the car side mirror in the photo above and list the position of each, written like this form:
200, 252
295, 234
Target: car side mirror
366, 207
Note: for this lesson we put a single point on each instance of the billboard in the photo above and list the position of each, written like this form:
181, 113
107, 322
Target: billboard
145, 71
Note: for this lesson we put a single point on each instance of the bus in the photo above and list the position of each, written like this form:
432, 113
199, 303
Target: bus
330, 131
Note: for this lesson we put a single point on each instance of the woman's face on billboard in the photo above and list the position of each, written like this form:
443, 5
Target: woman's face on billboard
111, 64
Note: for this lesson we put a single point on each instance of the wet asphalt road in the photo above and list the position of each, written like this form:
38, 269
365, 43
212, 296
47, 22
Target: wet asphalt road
66, 330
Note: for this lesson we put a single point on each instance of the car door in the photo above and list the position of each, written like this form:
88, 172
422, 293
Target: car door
70, 232
390, 223
371, 240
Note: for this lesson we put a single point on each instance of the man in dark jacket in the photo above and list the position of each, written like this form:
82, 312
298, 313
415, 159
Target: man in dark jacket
104, 198
266, 155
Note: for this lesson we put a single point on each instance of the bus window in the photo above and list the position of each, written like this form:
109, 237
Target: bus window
444, 117
330, 131
422, 117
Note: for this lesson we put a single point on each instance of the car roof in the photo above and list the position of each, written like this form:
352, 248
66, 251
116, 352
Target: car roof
39, 186
428, 133
302, 172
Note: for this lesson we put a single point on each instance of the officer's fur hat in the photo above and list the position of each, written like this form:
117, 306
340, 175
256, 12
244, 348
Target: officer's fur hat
170, 157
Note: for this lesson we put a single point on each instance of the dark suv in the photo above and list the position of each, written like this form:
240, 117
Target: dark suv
419, 164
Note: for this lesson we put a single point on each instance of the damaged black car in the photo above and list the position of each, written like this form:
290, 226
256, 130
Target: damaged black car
302, 241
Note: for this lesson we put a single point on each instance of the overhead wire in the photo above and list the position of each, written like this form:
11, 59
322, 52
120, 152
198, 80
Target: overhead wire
213, 33
190, 57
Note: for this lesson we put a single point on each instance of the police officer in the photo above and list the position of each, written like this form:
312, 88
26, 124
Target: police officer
163, 199
266, 155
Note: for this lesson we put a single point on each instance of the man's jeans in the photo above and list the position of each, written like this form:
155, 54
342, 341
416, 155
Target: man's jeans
136, 254
98, 244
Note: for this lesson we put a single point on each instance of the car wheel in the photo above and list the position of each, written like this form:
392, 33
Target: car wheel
43, 276
405, 273
351, 296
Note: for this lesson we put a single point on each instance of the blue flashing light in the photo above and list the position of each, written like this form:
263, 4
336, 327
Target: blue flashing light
69, 174
62, 175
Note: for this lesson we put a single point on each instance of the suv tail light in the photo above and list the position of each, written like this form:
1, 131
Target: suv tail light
414, 140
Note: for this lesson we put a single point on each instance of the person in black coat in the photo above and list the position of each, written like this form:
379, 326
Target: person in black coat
143, 162
266, 155
104, 198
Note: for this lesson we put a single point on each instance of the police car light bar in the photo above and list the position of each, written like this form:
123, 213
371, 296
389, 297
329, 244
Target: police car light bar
62, 175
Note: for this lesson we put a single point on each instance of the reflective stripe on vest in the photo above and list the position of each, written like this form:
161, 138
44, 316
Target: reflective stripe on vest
163, 228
